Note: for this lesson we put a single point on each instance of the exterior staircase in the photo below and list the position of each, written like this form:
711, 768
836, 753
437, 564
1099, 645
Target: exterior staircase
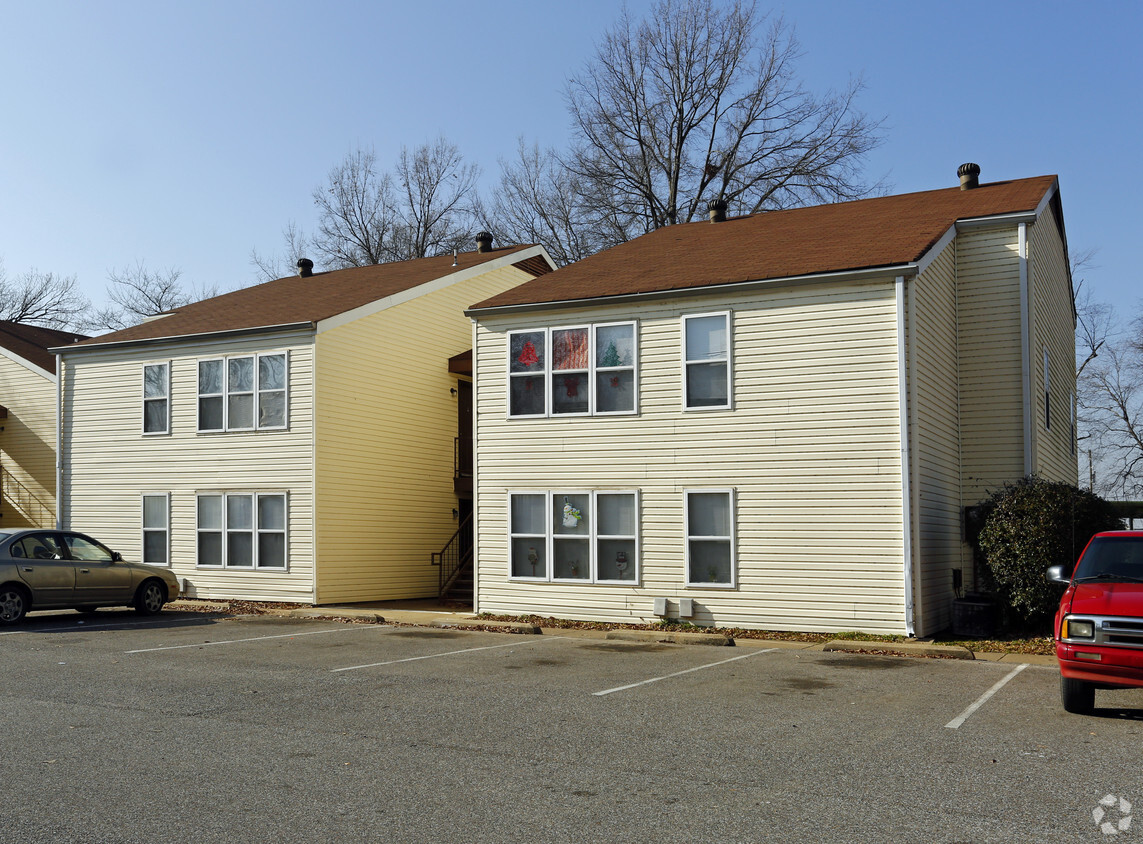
455, 561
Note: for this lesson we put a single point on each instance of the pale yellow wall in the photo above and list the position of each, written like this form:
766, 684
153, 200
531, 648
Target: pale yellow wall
110, 464
27, 446
386, 423
991, 394
1053, 327
812, 448
934, 398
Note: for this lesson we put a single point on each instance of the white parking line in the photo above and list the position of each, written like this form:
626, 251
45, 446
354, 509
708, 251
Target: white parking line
251, 639
955, 723
539, 640
680, 673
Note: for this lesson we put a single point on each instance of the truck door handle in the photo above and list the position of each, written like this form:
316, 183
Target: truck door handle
28, 569
85, 571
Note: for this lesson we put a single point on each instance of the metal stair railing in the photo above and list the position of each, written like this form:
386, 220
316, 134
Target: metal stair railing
456, 554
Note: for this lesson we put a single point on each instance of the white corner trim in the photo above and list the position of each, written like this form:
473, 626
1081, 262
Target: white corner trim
1026, 348
906, 487
439, 283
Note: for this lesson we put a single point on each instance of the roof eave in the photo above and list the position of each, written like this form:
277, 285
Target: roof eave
908, 269
179, 338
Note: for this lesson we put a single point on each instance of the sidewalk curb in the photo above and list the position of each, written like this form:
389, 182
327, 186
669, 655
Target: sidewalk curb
673, 638
892, 648
357, 615
478, 624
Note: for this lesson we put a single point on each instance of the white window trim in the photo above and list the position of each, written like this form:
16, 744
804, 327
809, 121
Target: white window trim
256, 394
165, 398
729, 405
549, 540
144, 529
550, 374
733, 504
255, 530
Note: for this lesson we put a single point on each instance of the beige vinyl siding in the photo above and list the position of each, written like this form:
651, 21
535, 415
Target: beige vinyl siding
27, 446
812, 448
110, 464
1054, 328
991, 396
935, 432
386, 425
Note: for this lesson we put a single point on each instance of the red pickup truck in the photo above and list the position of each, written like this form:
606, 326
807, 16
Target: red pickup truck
1099, 625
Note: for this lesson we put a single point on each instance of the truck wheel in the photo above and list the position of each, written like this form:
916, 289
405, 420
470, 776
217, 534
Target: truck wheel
1078, 696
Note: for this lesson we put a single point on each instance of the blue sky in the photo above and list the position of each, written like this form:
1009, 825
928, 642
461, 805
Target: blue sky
186, 134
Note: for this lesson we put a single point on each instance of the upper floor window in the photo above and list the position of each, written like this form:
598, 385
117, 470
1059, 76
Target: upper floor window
706, 361
573, 371
242, 393
156, 398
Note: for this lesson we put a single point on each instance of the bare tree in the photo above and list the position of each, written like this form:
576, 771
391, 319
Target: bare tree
695, 103
136, 292
39, 298
538, 201
427, 206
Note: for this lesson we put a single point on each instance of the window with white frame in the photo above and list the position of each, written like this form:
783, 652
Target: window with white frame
706, 361
242, 393
157, 529
710, 537
574, 370
156, 398
568, 535
242, 530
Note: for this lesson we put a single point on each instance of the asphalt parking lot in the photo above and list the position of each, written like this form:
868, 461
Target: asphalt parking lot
190, 727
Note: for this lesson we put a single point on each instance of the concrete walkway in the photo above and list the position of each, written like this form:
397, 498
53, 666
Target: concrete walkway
429, 612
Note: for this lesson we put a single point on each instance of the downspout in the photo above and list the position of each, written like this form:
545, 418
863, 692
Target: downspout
1026, 349
475, 479
906, 468
59, 442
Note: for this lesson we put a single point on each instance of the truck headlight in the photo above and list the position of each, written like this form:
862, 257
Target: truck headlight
1078, 628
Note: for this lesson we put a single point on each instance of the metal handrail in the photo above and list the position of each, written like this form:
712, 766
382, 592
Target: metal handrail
455, 555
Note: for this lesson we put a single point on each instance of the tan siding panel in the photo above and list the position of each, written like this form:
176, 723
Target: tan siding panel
27, 447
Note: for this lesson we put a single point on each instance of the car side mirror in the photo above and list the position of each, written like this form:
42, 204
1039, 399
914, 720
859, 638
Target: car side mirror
1058, 574
116, 557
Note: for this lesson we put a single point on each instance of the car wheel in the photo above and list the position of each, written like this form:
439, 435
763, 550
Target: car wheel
150, 597
13, 604
1078, 696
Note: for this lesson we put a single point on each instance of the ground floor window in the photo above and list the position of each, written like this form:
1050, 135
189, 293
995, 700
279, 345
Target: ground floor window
156, 529
710, 537
574, 535
242, 530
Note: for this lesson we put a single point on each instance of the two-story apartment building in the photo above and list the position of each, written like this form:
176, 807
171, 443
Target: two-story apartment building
774, 421
293, 441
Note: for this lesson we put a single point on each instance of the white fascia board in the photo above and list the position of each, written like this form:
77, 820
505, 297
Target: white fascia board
997, 220
1052, 191
936, 249
184, 339
433, 286
888, 272
27, 364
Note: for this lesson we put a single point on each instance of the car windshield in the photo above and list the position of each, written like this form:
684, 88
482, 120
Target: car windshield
1112, 558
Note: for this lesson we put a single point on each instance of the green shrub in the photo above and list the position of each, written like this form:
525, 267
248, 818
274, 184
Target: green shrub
1029, 526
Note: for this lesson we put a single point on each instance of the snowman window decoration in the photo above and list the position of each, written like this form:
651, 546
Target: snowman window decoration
572, 516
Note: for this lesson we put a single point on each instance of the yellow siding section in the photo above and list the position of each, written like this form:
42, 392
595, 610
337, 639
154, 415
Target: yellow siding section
27, 447
935, 433
110, 464
991, 396
386, 424
1054, 328
812, 448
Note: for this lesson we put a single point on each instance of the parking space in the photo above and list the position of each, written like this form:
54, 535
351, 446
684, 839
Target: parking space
527, 737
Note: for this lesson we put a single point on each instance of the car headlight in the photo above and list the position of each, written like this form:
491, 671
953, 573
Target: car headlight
1078, 628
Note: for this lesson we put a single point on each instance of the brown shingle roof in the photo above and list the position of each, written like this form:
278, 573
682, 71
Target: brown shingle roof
31, 342
296, 300
884, 231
